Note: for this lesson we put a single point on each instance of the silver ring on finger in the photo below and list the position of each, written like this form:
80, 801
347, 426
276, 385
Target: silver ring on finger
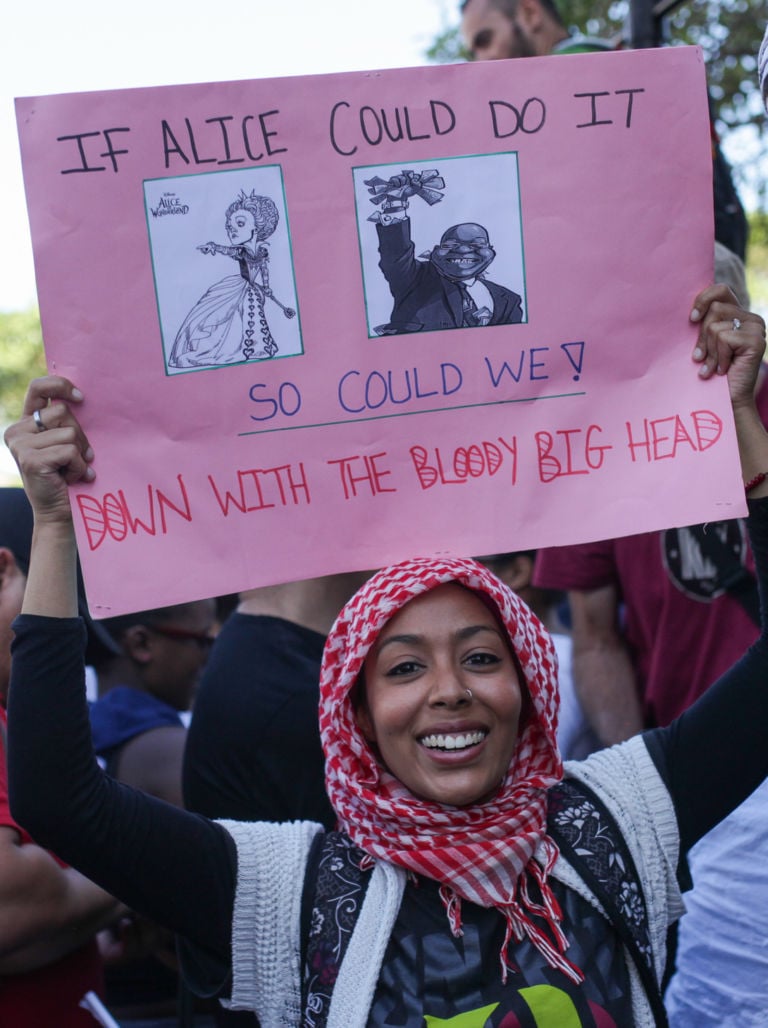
40, 424
736, 324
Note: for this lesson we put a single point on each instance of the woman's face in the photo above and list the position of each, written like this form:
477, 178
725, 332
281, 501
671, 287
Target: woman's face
241, 227
442, 697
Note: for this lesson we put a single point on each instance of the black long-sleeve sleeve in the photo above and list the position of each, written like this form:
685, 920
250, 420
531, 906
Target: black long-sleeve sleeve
175, 867
716, 753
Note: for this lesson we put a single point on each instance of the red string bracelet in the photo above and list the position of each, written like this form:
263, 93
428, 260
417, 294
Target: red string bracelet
754, 482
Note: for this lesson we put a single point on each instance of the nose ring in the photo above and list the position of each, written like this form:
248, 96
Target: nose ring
469, 693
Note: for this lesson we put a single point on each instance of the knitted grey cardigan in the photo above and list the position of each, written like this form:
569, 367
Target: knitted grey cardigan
272, 860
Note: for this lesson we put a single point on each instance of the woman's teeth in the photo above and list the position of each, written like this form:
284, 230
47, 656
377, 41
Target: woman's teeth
453, 742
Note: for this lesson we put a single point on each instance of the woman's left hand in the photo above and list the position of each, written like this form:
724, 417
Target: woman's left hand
731, 342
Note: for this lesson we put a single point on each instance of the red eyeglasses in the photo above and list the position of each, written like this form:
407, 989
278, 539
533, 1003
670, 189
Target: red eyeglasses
203, 640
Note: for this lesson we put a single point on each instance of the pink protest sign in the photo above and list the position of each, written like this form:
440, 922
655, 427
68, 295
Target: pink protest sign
325, 323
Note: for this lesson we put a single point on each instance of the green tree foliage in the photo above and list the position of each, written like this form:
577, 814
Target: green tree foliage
757, 266
758, 229
21, 359
447, 48
728, 31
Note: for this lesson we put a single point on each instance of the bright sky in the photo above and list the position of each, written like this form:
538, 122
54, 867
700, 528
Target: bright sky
50, 46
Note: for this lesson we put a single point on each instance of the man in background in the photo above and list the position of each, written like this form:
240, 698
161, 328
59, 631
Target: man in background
494, 29
498, 29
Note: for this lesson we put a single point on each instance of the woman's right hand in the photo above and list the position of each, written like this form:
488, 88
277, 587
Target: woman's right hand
55, 455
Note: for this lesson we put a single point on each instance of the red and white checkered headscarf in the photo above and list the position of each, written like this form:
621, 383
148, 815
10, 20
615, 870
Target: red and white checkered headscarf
482, 853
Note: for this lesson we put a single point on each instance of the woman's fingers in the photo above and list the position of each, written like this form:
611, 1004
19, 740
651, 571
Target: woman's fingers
708, 296
57, 415
50, 447
727, 333
41, 391
47, 405
58, 455
59, 450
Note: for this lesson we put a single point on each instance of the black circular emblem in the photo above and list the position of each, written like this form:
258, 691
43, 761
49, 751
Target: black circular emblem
697, 558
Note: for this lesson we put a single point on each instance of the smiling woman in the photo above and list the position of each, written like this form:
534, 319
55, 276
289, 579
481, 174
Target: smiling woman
420, 664
441, 698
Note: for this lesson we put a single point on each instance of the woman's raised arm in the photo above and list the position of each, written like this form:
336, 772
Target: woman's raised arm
173, 866
52, 452
714, 755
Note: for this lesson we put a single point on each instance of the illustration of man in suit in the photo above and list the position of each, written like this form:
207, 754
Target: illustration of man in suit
443, 288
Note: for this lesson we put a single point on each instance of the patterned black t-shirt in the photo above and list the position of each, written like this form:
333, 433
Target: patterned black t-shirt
430, 978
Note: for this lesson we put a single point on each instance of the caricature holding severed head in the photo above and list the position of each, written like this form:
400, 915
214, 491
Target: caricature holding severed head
447, 287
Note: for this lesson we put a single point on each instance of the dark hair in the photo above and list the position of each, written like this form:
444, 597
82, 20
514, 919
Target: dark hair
118, 626
508, 7
505, 558
16, 525
16, 522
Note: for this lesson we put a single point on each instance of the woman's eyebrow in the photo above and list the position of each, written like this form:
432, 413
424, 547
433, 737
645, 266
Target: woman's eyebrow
406, 640
412, 639
470, 630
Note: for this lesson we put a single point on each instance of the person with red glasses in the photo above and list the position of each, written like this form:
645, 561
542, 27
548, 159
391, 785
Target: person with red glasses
138, 729
139, 735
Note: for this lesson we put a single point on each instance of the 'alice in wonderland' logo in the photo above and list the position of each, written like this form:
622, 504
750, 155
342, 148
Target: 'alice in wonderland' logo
169, 204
